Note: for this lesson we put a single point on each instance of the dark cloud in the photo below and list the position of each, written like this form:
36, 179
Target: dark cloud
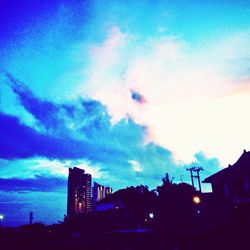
90, 134
39, 183
20, 141
83, 115
43, 111
136, 96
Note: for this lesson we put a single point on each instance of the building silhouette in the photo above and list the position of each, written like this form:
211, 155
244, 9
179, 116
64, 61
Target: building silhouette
79, 192
231, 188
108, 191
99, 192
233, 182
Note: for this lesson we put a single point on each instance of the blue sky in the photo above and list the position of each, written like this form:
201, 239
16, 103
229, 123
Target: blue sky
127, 90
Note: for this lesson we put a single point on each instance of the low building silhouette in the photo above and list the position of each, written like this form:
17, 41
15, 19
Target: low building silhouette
127, 209
231, 187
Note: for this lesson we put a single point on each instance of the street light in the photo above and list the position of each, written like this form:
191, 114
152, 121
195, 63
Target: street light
151, 215
196, 199
1, 219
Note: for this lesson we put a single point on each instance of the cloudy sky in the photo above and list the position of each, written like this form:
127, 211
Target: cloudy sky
127, 90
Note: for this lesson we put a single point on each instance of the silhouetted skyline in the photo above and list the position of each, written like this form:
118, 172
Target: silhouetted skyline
127, 91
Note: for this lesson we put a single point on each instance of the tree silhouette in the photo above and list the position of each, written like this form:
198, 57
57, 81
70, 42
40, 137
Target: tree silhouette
176, 214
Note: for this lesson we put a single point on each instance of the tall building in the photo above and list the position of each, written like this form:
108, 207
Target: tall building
108, 191
79, 192
99, 192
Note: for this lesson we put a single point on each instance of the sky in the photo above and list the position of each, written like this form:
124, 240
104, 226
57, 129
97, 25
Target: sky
127, 90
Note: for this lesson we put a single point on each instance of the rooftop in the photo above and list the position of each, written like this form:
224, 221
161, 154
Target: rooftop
238, 169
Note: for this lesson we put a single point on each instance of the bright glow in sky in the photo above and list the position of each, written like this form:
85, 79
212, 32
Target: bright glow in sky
127, 92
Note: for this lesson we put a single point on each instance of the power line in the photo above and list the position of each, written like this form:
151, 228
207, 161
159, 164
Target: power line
197, 175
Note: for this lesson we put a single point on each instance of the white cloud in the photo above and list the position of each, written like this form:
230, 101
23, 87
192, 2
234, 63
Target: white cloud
188, 107
95, 171
29, 168
103, 60
136, 167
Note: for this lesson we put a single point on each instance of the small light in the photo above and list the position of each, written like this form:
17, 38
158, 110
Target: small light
116, 207
1, 216
196, 199
151, 215
146, 220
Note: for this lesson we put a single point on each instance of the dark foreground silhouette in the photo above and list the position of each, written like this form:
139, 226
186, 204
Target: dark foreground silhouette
172, 217
225, 237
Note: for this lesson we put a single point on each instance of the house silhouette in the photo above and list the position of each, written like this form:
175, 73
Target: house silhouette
231, 188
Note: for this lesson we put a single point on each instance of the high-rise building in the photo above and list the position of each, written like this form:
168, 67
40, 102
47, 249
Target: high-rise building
79, 192
99, 192
108, 191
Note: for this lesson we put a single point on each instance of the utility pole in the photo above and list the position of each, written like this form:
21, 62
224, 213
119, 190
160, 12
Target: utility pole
191, 174
198, 176
197, 170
